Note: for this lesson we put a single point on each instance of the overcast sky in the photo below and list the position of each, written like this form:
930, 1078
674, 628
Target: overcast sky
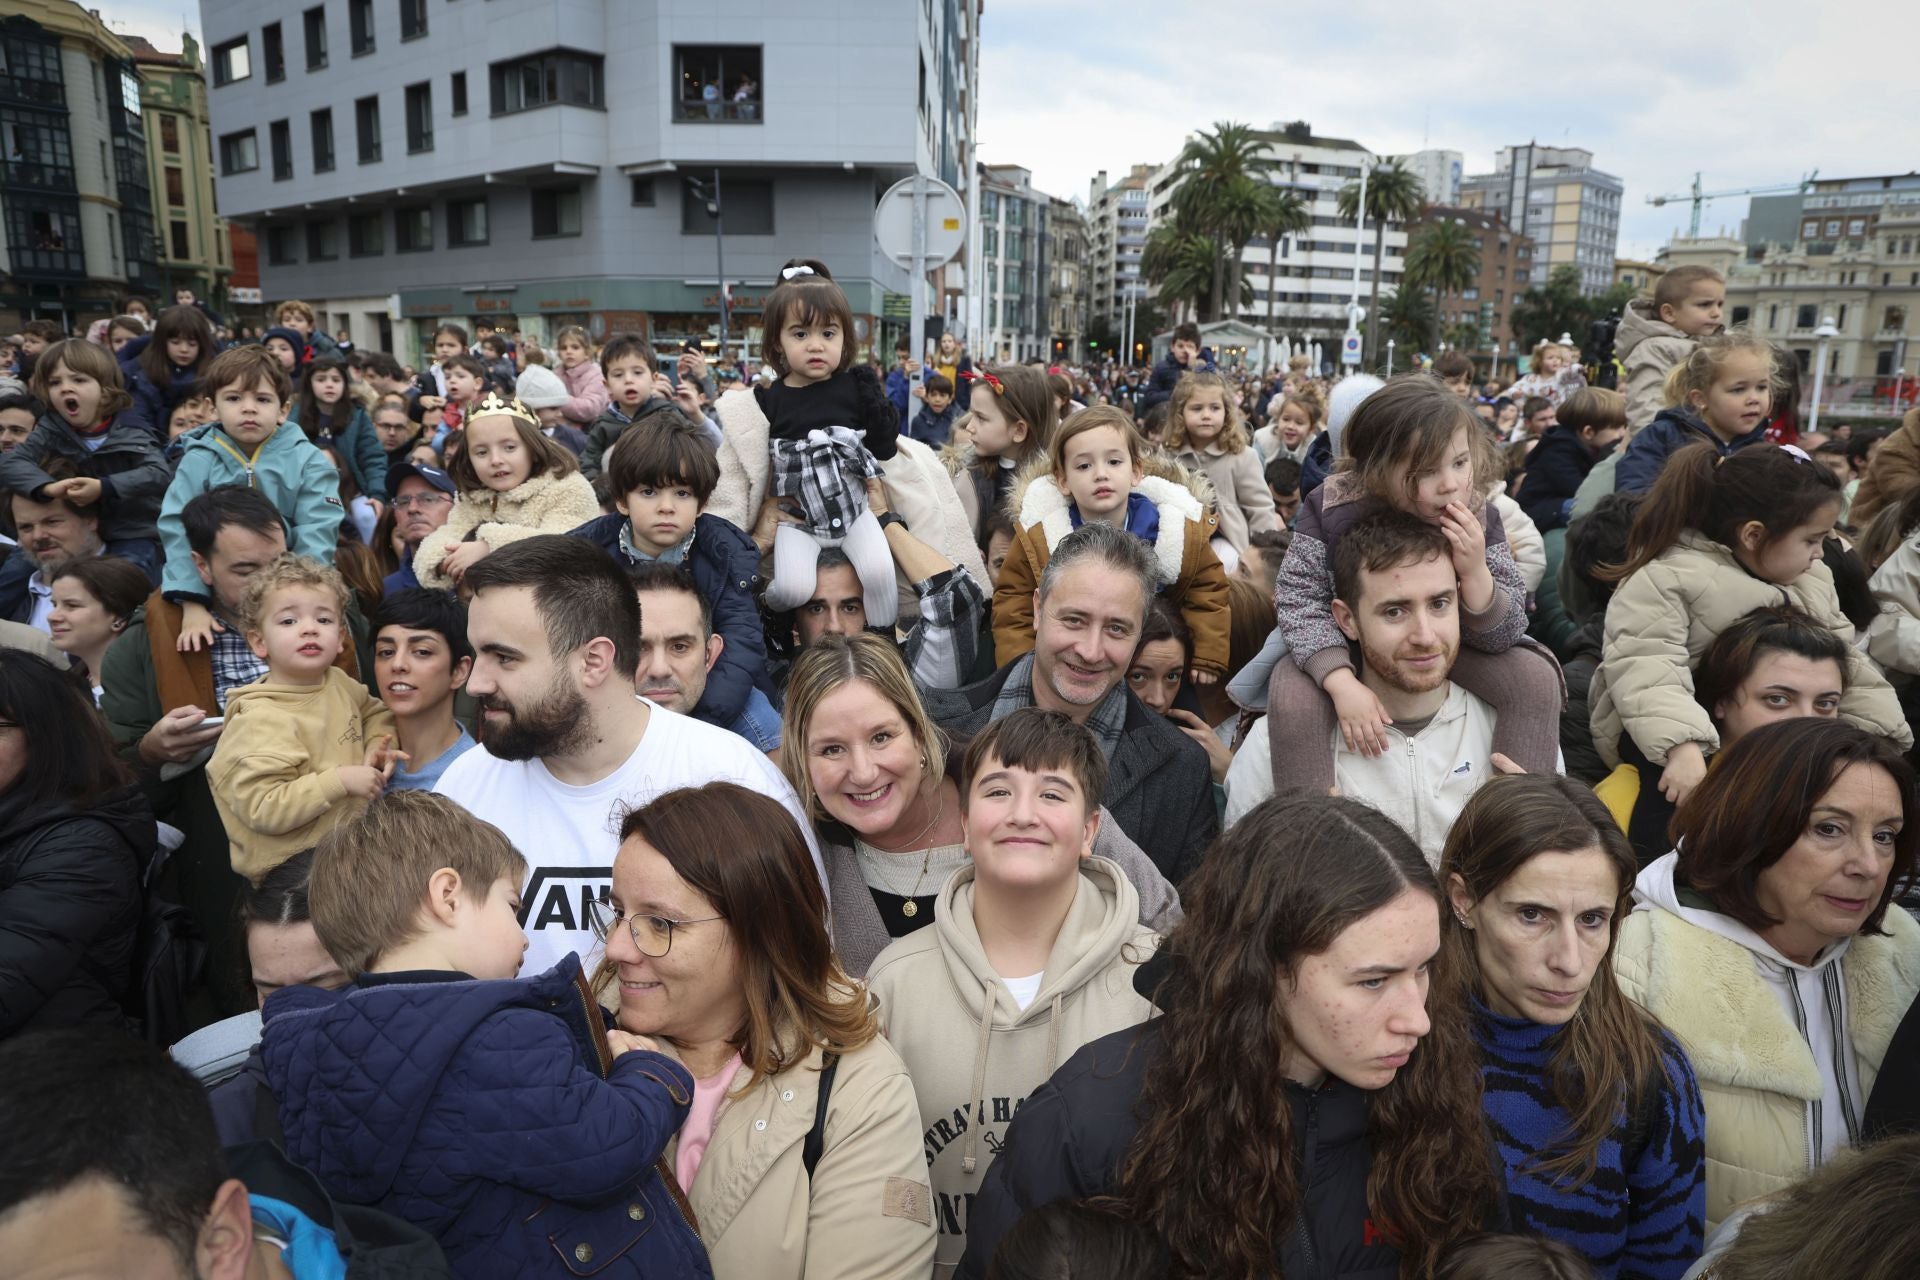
1753, 93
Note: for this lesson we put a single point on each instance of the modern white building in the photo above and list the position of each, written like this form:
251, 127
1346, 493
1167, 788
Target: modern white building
1013, 278
1439, 173
1556, 196
409, 162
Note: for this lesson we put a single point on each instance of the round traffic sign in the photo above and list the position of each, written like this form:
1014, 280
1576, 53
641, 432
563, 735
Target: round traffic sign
946, 223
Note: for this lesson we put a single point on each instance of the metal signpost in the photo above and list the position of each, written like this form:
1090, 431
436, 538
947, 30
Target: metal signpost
920, 223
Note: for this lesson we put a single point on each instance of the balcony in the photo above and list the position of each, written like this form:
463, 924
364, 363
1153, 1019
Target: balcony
53, 264
40, 93
35, 176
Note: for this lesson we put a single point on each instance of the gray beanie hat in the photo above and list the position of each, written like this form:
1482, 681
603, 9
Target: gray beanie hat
540, 388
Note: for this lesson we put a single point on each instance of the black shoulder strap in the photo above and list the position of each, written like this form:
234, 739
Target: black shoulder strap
817, 1136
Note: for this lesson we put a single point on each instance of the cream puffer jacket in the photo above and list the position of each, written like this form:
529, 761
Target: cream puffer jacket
1663, 618
1756, 1073
543, 504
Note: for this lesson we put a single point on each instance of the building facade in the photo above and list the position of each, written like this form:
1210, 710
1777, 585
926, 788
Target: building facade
195, 249
1554, 195
1640, 275
1014, 279
1439, 172
1116, 237
74, 200
412, 163
1506, 272
1067, 297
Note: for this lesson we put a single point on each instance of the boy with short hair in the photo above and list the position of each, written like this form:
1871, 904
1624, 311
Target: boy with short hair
497, 1112
637, 393
933, 425
250, 443
421, 659
466, 379
1660, 331
1183, 357
1592, 423
305, 746
302, 319
1283, 482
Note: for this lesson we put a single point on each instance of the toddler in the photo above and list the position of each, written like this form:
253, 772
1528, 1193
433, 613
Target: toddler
116, 462
514, 483
1719, 394
1207, 434
639, 394
586, 386
1553, 374
430, 387
466, 383
306, 745
1011, 420
288, 347
499, 1113
1097, 472
829, 425
541, 390
1658, 332
933, 425
327, 410
1296, 417
248, 444
164, 372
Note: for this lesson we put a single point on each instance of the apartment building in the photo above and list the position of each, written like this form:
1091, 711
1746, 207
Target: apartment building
1554, 195
195, 247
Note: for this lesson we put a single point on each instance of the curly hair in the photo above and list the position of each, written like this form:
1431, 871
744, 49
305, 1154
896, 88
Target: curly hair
1233, 433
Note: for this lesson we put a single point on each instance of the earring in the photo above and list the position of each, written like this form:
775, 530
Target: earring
1461, 916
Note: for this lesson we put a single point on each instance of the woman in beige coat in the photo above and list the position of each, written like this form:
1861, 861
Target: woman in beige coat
801, 1156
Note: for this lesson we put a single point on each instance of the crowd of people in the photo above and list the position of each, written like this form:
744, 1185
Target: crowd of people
585, 812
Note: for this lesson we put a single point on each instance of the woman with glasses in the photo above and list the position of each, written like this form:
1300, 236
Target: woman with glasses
801, 1156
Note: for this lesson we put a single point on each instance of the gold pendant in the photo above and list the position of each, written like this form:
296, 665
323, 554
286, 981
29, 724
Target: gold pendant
910, 908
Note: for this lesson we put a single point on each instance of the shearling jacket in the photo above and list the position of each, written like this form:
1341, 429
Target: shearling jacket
1661, 621
542, 504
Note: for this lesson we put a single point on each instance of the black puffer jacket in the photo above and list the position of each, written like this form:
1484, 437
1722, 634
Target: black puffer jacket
70, 909
1576, 727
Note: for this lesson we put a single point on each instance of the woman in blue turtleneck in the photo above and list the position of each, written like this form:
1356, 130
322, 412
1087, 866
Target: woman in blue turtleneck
1593, 1107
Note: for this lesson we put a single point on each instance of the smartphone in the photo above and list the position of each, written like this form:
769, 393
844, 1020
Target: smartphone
211, 722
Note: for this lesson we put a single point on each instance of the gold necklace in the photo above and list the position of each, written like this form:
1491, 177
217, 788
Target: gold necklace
910, 908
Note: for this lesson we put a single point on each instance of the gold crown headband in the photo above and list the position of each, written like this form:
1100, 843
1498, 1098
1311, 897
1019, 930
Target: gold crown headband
494, 406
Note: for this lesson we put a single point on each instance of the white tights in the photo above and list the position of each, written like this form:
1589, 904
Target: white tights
796, 558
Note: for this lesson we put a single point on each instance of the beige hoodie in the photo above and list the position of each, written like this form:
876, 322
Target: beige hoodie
972, 1053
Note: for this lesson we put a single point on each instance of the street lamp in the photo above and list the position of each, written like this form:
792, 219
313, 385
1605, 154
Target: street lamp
709, 192
1389, 357
1826, 333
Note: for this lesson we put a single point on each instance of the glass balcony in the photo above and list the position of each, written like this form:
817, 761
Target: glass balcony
47, 263
35, 176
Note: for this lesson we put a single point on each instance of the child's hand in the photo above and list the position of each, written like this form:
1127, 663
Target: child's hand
1502, 764
1198, 676
81, 491
627, 1042
462, 558
1468, 539
1686, 765
431, 403
384, 757
687, 396
197, 626
362, 780
1218, 757
1361, 716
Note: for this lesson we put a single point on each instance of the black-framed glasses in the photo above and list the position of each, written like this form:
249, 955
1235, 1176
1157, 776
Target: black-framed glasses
652, 935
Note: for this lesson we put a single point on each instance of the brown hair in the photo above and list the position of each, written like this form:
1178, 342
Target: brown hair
1027, 400
295, 307
830, 665
1034, 739
1755, 803
1309, 402
1092, 418
176, 322
370, 874
1595, 407
629, 346
673, 453
1610, 1056
88, 359
743, 852
810, 298
1380, 541
1697, 370
549, 457
1405, 429
1233, 432
1671, 289
1512, 1257
1851, 1217
119, 585
1452, 364
288, 571
1779, 628
1212, 1167
1718, 496
246, 366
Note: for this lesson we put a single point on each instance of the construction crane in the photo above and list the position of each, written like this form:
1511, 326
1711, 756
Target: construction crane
1699, 197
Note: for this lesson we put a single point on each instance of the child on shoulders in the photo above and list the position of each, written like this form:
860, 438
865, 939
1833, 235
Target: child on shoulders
583, 377
1660, 331
1719, 394
1011, 421
639, 394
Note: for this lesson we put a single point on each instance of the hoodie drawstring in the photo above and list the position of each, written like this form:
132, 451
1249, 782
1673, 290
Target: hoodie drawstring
987, 1001
1053, 1032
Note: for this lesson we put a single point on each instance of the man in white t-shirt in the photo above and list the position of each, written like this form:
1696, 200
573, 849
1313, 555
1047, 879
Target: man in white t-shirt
566, 745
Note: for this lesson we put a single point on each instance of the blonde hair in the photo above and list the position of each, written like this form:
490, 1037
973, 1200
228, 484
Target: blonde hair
1092, 419
1309, 402
1233, 435
370, 874
1545, 345
287, 572
1596, 407
1700, 368
830, 665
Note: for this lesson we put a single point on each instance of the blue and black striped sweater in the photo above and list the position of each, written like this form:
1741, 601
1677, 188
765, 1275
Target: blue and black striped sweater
1641, 1216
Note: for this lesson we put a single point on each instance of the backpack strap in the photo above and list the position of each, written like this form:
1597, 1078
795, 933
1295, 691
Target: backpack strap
817, 1136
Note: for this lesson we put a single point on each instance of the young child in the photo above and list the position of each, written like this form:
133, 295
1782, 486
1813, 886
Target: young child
1011, 421
1183, 357
661, 480
37, 335
1413, 445
1207, 434
829, 425
1032, 951
541, 390
124, 329
306, 745
587, 396
466, 386
1719, 394
496, 353
116, 463
639, 394
430, 387
1296, 418
1553, 374
933, 425
1096, 470
1591, 424
1455, 370
300, 317
421, 659
1658, 332
288, 347
1714, 540
194, 412
499, 1113
327, 410
164, 373
246, 444
514, 483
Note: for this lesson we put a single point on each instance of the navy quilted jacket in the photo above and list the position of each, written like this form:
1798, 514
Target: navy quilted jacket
487, 1113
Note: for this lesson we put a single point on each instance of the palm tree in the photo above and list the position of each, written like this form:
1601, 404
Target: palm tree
1442, 259
1181, 260
1216, 197
1408, 317
1285, 214
1394, 194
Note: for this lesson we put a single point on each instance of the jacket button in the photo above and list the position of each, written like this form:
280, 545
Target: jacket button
759, 1125
786, 1095
583, 1253
638, 1212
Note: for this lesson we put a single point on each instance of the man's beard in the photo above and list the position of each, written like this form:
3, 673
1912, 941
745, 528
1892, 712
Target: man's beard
557, 725
1389, 672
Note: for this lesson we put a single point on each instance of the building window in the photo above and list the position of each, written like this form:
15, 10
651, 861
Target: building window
366, 128
413, 229
239, 152
1833, 227
642, 189
367, 235
413, 19
1895, 320
1803, 316
746, 208
322, 128
170, 134
280, 142
546, 79
316, 25
323, 241
360, 25
717, 82
181, 241
466, 223
176, 186
1841, 321
231, 62
1773, 316
1856, 226
280, 246
556, 212
459, 93
273, 52
1741, 315
419, 117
